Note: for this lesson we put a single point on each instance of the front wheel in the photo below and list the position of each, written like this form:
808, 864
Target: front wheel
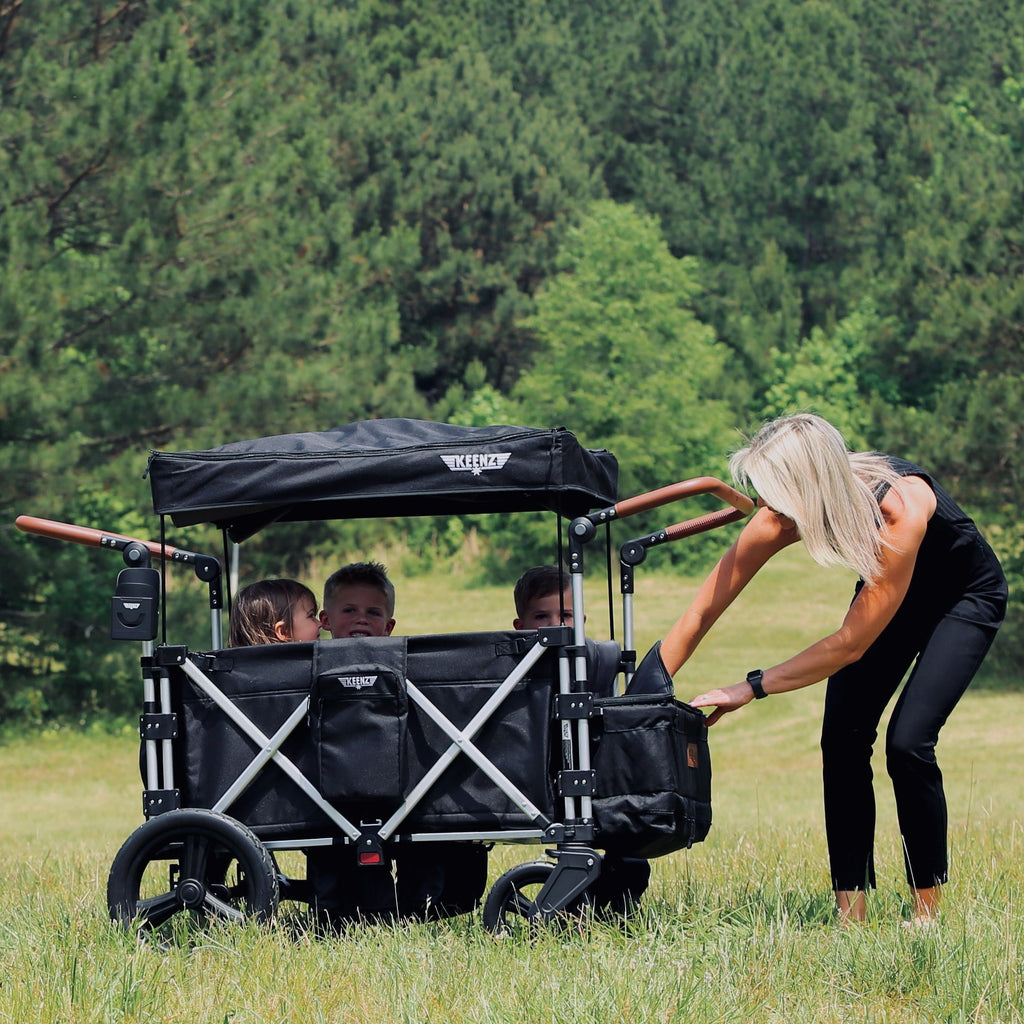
511, 905
192, 864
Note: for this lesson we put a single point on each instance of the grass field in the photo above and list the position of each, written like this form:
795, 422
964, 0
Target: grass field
737, 929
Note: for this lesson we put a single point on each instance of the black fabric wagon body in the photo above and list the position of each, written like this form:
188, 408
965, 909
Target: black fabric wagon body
420, 750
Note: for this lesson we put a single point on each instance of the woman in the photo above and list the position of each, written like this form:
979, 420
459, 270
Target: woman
930, 589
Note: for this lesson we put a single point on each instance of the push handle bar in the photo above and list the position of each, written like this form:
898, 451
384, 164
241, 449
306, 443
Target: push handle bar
206, 567
741, 504
633, 552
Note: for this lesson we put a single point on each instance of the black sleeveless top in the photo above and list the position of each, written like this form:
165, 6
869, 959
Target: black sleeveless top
956, 572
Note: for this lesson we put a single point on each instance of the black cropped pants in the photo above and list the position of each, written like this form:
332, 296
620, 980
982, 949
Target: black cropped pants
947, 658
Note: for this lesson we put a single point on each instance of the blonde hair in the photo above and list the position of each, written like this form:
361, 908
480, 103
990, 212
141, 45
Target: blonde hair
258, 607
800, 466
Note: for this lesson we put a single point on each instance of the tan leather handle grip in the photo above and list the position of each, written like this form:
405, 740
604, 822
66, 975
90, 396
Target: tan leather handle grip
703, 523
93, 538
686, 489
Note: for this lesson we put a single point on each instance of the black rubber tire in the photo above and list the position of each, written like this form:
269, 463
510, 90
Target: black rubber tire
511, 905
191, 863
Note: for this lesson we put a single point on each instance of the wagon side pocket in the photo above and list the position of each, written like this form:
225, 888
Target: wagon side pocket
359, 715
652, 775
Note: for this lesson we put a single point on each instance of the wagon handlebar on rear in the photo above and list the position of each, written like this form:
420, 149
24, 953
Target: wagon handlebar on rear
633, 552
742, 504
740, 507
207, 568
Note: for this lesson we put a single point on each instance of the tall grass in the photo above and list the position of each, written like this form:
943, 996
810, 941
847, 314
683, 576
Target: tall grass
737, 929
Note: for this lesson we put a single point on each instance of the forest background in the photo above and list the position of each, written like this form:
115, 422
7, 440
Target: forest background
656, 223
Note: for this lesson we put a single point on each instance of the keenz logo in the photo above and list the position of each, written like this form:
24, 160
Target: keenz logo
131, 606
357, 682
476, 462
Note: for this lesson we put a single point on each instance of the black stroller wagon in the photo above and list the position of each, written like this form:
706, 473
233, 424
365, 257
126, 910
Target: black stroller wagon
419, 750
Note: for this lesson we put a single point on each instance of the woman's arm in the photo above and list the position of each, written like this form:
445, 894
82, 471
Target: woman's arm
906, 521
764, 535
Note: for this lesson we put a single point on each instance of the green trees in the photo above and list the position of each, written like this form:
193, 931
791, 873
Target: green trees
231, 219
836, 375
622, 356
480, 184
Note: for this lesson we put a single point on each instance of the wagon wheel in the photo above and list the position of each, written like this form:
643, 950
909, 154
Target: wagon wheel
511, 905
194, 863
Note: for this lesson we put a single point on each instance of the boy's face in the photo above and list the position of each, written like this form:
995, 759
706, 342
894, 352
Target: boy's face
545, 611
357, 609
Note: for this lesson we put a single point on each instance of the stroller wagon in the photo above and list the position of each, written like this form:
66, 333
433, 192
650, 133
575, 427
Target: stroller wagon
418, 750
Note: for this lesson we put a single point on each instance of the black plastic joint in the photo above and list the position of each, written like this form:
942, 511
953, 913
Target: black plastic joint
206, 568
370, 850
159, 801
633, 553
158, 727
572, 706
555, 636
582, 530
171, 655
135, 554
576, 783
575, 830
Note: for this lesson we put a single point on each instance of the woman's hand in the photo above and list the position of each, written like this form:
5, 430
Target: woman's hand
723, 701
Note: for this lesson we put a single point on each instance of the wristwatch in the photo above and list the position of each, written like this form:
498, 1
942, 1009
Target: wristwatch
754, 677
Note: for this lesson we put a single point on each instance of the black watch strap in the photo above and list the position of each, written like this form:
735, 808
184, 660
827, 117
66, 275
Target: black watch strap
754, 677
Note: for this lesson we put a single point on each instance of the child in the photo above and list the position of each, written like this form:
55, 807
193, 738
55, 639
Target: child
273, 612
431, 880
359, 600
543, 597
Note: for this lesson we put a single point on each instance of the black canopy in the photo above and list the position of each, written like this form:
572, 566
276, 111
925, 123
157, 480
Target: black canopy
376, 468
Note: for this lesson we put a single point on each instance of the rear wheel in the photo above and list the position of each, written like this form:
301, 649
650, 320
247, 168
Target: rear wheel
191, 865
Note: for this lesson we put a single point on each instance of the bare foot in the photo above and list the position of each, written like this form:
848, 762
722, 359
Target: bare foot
926, 909
852, 906
920, 924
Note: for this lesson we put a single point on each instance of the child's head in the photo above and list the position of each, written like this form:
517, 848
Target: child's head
271, 612
543, 597
359, 600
